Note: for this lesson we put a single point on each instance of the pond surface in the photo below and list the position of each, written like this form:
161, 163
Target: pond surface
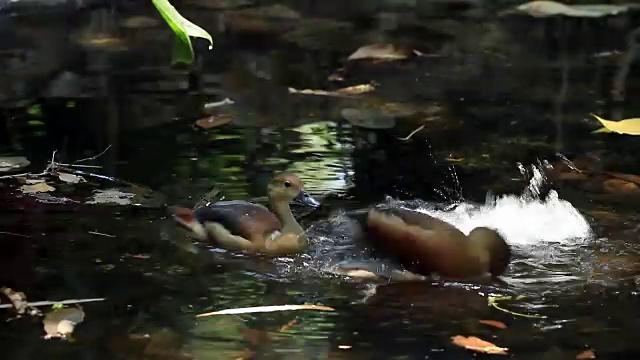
485, 156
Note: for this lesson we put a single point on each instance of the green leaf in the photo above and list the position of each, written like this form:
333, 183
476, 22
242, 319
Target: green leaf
184, 29
34, 110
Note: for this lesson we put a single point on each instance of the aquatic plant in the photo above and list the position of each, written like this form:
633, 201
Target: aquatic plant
184, 30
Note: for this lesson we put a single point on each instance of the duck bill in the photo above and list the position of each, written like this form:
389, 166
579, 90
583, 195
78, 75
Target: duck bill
307, 200
186, 219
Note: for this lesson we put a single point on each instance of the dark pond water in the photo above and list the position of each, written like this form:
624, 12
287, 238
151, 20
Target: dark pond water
495, 106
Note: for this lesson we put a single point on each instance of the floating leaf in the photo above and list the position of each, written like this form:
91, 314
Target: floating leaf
258, 309
626, 126
111, 196
494, 323
587, 354
70, 178
9, 163
476, 344
33, 181
184, 29
36, 188
351, 90
383, 52
213, 121
552, 8
18, 299
60, 323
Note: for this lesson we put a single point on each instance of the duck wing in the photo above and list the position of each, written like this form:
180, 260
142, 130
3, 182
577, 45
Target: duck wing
240, 218
421, 243
422, 220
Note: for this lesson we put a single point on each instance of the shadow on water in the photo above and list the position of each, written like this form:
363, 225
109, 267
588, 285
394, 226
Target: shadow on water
494, 107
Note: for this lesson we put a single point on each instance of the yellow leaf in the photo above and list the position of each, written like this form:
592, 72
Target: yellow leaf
626, 126
36, 188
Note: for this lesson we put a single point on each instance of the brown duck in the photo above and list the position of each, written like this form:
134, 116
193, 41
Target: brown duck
245, 226
426, 245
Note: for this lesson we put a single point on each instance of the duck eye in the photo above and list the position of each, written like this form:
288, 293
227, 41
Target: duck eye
287, 184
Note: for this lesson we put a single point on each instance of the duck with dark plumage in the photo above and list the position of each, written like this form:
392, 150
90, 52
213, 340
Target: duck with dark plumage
253, 228
425, 245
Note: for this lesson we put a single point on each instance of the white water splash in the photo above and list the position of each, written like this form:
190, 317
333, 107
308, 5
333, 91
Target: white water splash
523, 220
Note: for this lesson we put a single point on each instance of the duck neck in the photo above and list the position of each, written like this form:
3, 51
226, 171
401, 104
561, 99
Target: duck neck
283, 211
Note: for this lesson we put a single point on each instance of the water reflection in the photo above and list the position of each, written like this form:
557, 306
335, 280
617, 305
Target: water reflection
484, 102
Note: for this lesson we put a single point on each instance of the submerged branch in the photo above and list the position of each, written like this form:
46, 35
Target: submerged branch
63, 302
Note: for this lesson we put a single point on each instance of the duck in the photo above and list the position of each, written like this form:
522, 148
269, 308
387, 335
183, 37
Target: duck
425, 245
238, 225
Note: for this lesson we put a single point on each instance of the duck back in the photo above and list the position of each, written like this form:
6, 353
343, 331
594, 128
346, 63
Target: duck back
241, 218
422, 243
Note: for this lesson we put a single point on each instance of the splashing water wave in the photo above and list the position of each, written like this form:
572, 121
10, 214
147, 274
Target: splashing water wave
546, 233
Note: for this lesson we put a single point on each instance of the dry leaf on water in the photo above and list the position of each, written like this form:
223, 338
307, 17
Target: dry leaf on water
384, 52
626, 126
18, 299
60, 323
70, 178
552, 8
587, 354
476, 344
494, 323
213, 121
36, 188
257, 309
8, 163
351, 90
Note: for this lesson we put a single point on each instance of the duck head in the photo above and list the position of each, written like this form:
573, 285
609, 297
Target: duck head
497, 248
288, 188
187, 219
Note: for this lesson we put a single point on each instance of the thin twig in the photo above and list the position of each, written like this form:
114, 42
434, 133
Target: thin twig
23, 174
101, 234
14, 234
93, 157
63, 302
412, 133
14, 175
80, 165
52, 164
212, 105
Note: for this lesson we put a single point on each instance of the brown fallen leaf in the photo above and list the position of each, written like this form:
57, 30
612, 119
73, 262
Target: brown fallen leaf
213, 121
351, 90
384, 52
18, 299
36, 188
357, 89
476, 344
587, 354
494, 323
